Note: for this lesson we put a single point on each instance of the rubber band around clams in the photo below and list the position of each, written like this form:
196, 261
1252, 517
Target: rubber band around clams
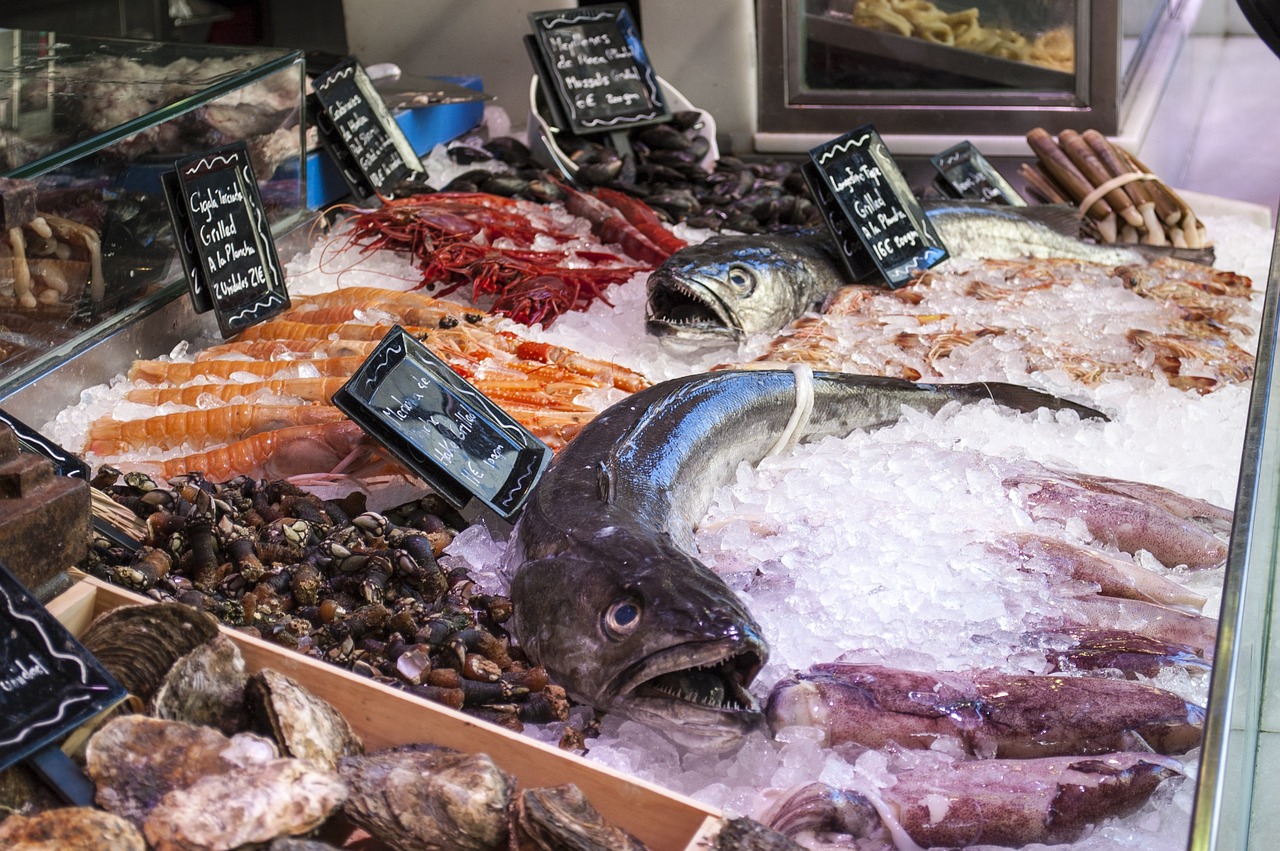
1113, 183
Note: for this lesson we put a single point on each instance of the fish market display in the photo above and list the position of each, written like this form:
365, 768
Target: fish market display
1127, 203
260, 405
736, 286
1101, 322
363, 590
517, 257
983, 802
607, 592
988, 714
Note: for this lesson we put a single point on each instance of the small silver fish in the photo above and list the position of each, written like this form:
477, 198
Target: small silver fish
731, 287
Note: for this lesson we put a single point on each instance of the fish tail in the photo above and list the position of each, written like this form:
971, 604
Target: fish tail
1204, 256
1017, 397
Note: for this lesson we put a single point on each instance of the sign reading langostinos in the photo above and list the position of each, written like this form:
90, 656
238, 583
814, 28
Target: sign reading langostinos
866, 192
359, 132
963, 172
441, 427
594, 69
49, 684
224, 240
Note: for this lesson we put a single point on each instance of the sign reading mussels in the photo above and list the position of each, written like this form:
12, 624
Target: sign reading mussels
866, 190
359, 133
963, 172
224, 239
49, 684
595, 70
441, 427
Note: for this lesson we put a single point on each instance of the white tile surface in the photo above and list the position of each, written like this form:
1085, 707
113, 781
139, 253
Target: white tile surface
1236, 148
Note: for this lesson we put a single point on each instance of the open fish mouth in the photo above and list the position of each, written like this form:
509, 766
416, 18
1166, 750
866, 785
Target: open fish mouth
679, 307
701, 687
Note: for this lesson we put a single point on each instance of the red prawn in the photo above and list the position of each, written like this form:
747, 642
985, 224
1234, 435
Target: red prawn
452, 236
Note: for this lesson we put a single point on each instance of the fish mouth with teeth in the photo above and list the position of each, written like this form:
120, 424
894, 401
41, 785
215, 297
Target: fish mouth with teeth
697, 692
688, 309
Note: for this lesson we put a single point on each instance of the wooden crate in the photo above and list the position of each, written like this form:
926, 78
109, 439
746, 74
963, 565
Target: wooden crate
385, 716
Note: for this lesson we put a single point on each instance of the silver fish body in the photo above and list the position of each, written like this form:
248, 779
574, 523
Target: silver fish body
731, 287
606, 591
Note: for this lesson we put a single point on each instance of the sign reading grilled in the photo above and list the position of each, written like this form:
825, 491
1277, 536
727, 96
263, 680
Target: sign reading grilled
860, 187
224, 240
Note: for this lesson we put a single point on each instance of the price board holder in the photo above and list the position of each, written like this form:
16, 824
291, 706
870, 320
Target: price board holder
359, 133
49, 686
963, 172
870, 208
441, 427
594, 69
30, 440
224, 240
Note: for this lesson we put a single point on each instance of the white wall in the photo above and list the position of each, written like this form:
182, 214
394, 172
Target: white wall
451, 37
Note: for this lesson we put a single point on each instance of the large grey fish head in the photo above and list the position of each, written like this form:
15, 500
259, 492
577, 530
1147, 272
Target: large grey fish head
730, 287
631, 625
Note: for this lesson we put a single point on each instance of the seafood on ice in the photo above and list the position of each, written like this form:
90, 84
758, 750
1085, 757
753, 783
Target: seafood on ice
521, 259
1169, 320
607, 590
259, 405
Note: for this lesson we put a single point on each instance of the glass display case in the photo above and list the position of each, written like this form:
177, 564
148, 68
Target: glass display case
87, 127
1235, 797
973, 68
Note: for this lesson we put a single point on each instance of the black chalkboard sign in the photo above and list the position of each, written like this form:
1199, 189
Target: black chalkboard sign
441, 427
224, 240
594, 69
963, 172
49, 684
359, 133
866, 192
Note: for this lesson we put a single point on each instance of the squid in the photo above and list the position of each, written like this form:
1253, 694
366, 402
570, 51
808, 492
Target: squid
990, 714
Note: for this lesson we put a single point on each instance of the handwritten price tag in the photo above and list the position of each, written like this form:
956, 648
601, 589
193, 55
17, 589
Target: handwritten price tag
225, 243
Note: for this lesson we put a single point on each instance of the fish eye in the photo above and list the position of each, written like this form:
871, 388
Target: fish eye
621, 618
741, 279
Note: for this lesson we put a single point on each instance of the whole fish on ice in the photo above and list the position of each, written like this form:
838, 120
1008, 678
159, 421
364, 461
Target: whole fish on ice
730, 287
606, 592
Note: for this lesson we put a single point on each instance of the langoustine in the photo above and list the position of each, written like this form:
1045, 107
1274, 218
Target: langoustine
988, 713
946, 804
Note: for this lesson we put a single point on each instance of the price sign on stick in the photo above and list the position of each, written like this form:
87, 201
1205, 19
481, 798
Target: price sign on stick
862, 193
441, 427
594, 69
963, 172
359, 133
49, 686
224, 240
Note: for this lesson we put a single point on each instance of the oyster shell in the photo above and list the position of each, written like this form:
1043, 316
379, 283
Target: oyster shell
70, 829
135, 761
282, 797
560, 818
139, 644
744, 834
428, 798
205, 687
305, 726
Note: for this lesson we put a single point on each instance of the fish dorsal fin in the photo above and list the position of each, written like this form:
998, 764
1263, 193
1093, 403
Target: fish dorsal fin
1062, 218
